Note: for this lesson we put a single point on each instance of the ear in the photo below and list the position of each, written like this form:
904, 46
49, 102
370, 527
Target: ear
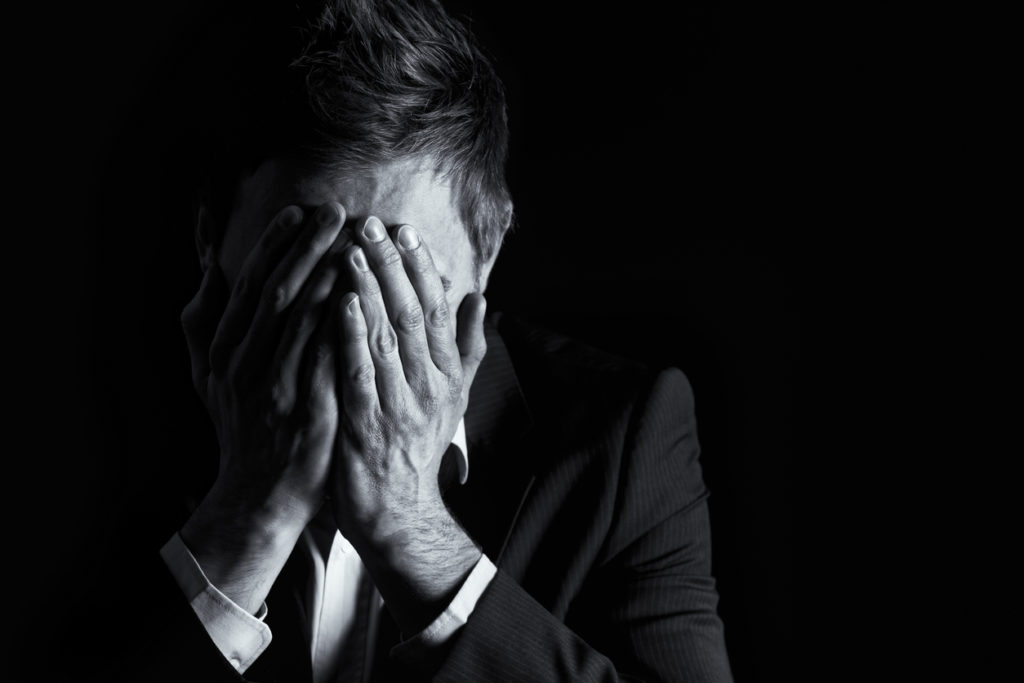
207, 233
483, 272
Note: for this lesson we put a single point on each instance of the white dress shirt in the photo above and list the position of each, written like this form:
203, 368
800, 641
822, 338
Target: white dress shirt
330, 598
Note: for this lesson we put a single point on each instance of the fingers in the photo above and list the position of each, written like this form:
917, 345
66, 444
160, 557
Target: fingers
247, 290
285, 282
319, 409
291, 273
358, 379
305, 316
471, 341
380, 338
401, 304
315, 417
199, 321
426, 281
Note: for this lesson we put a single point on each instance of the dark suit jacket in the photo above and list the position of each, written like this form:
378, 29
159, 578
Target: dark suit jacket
586, 492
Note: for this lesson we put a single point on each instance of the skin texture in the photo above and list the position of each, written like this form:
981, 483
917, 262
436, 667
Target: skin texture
325, 346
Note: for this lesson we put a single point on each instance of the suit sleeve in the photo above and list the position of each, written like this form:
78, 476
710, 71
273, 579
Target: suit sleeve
151, 633
130, 621
647, 610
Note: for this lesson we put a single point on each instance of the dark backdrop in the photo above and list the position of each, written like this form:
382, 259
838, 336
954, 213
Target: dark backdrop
648, 165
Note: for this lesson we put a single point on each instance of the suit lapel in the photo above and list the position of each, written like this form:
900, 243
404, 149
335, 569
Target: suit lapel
499, 429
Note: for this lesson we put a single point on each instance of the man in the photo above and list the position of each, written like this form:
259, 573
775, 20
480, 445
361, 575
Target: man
407, 488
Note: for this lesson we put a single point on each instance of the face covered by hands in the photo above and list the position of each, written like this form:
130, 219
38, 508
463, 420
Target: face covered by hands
329, 356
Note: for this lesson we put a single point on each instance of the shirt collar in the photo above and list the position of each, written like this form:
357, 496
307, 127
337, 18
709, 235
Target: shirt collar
459, 440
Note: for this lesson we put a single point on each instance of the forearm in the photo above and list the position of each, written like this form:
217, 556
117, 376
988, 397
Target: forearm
275, 415
242, 547
419, 567
512, 637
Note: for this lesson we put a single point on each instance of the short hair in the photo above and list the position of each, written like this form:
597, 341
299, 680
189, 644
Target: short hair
360, 83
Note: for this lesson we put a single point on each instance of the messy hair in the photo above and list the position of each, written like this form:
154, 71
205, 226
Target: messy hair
366, 82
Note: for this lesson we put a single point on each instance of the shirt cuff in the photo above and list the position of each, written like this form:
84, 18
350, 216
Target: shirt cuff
240, 636
455, 616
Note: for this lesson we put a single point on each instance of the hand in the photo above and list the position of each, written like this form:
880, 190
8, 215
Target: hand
404, 382
266, 374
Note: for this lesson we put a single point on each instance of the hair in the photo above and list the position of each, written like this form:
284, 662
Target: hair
363, 83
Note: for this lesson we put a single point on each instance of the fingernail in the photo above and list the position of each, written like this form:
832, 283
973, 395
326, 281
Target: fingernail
290, 216
353, 305
373, 230
327, 214
408, 238
359, 259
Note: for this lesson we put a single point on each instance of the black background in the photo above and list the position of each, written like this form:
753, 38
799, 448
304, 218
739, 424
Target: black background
650, 166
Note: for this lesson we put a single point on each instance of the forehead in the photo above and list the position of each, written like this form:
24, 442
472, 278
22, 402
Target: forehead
404, 192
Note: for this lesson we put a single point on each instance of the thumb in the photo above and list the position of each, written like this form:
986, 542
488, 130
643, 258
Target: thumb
470, 339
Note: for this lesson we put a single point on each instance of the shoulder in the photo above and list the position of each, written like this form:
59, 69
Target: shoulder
572, 382
622, 435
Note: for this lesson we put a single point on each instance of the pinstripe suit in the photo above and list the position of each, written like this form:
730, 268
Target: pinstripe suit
586, 492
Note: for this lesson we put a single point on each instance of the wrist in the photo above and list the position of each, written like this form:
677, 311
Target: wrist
420, 568
241, 545
387, 521
262, 521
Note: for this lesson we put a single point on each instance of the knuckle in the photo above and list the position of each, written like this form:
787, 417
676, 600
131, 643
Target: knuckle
279, 399
410, 318
279, 296
384, 341
439, 315
454, 382
304, 327
389, 256
452, 368
322, 354
401, 410
363, 374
